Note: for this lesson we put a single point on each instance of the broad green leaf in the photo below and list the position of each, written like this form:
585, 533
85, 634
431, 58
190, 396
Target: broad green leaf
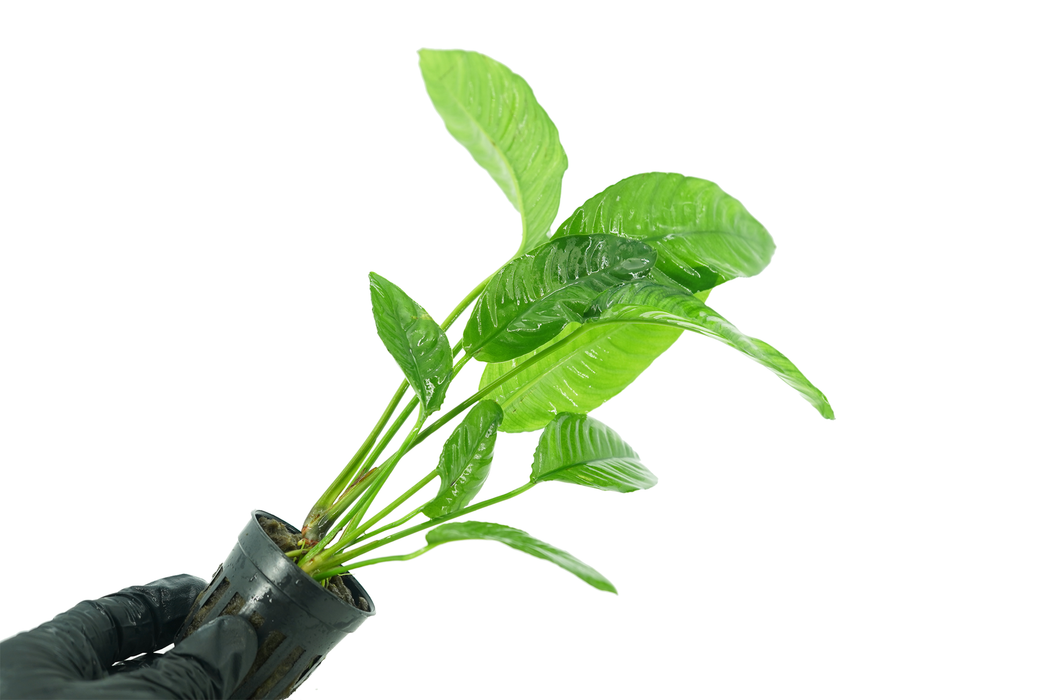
702, 235
577, 449
523, 541
581, 375
531, 298
647, 303
414, 339
465, 459
493, 113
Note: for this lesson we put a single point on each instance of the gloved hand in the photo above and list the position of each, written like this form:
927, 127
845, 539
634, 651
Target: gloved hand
73, 656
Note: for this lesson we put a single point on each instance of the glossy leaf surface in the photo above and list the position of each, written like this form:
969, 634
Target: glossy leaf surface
702, 235
644, 302
581, 375
578, 449
532, 298
414, 339
466, 459
522, 541
494, 114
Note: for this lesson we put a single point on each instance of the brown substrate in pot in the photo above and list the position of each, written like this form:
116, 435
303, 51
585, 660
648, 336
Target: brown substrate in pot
288, 542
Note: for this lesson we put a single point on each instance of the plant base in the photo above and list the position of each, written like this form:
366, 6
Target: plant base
298, 622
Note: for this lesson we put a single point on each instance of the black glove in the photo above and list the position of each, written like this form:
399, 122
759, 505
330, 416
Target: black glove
73, 656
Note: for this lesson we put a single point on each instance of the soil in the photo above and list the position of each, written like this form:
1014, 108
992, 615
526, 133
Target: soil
288, 541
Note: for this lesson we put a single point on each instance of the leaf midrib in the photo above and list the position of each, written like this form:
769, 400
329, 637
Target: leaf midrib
565, 358
502, 328
520, 203
580, 464
474, 455
417, 360
821, 404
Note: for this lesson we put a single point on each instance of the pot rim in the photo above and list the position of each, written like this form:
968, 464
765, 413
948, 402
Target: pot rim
285, 575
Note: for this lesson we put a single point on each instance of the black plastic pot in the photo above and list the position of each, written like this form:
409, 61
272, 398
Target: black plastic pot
298, 621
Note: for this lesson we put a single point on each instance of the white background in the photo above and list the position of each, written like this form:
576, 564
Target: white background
192, 195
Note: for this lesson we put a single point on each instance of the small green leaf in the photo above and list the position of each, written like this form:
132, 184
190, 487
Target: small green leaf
519, 540
581, 375
645, 302
531, 298
493, 113
466, 459
414, 339
577, 449
702, 235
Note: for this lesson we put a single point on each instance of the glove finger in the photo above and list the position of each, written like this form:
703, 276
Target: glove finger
210, 663
134, 664
140, 618
85, 641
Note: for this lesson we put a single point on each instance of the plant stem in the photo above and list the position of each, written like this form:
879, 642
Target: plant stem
316, 555
353, 492
390, 526
467, 301
362, 452
335, 557
342, 504
352, 536
350, 472
384, 474
359, 509
404, 414
363, 504
379, 560
389, 435
400, 420
353, 517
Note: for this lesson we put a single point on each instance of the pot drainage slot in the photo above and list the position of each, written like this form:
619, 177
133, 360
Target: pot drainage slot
266, 649
305, 674
278, 675
208, 605
234, 606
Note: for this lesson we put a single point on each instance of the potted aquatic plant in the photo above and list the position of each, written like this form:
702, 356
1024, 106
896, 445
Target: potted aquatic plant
562, 327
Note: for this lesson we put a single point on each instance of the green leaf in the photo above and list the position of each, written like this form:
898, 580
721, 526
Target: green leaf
581, 375
414, 339
702, 235
465, 459
531, 298
519, 540
493, 113
577, 449
644, 302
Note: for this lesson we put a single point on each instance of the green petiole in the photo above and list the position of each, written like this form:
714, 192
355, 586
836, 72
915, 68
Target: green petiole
379, 560
354, 516
354, 553
390, 526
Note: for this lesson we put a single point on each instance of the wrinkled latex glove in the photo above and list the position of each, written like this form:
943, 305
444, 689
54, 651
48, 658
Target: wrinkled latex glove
76, 655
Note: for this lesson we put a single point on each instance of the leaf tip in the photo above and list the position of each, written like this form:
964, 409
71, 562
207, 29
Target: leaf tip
823, 406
